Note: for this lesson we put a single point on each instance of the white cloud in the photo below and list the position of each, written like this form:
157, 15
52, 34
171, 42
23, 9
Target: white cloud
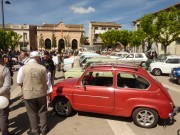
81, 10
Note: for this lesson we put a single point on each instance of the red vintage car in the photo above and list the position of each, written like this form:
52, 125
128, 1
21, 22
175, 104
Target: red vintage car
115, 89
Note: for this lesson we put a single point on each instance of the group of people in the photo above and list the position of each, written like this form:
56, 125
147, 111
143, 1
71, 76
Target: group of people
36, 78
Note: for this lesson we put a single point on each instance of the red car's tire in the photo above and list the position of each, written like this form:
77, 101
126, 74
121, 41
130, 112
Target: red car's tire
145, 117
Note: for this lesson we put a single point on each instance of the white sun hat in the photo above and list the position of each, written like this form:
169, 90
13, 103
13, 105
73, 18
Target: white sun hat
34, 54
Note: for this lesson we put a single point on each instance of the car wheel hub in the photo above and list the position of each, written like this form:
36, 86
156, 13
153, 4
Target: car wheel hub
145, 118
61, 108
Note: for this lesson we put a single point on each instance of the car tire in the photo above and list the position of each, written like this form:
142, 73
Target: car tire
157, 72
143, 64
62, 107
178, 80
145, 117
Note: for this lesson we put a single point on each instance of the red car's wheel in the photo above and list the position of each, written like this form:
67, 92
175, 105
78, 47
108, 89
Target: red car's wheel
145, 117
62, 107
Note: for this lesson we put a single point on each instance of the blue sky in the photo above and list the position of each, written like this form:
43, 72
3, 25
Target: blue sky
37, 12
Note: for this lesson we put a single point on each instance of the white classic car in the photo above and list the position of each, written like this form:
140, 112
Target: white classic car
134, 58
164, 67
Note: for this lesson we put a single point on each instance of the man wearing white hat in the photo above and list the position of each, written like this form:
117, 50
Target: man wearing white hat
33, 79
5, 83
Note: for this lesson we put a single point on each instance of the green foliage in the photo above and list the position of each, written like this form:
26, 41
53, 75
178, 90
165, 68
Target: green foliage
137, 38
41, 41
82, 40
163, 28
54, 44
109, 38
67, 40
125, 37
11, 39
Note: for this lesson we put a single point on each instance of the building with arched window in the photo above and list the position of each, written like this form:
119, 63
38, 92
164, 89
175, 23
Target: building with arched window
59, 37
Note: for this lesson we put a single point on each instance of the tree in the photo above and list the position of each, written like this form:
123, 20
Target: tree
67, 40
41, 42
11, 39
137, 38
124, 37
2, 37
82, 39
109, 38
163, 28
54, 44
146, 24
168, 27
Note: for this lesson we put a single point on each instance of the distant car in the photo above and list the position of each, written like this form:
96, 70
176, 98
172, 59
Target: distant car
161, 57
117, 55
175, 74
134, 58
77, 72
87, 55
164, 67
115, 89
67, 63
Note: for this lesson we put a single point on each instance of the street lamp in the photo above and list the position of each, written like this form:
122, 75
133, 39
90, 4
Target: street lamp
2, 7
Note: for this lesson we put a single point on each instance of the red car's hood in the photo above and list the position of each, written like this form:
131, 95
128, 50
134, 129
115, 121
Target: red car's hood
67, 83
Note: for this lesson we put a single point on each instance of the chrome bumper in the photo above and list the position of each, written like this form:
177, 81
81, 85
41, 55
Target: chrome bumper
174, 112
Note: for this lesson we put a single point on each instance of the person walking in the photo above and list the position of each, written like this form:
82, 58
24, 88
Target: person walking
32, 77
23, 58
5, 84
48, 61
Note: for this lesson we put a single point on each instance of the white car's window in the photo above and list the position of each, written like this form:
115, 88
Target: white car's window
172, 61
137, 55
130, 56
127, 80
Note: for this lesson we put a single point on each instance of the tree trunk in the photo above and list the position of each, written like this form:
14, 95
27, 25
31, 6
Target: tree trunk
165, 49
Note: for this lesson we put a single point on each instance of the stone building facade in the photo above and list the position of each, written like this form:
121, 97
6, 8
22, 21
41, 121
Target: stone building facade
67, 36
96, 28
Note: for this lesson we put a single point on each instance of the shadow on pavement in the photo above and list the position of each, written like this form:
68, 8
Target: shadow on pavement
20, 122
103, 116
53, 119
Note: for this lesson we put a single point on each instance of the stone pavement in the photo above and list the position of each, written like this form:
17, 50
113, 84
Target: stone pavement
78, 124
18, 119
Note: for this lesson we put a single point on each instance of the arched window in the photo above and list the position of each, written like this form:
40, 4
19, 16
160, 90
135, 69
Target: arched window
61, 45
74, 44
47, 43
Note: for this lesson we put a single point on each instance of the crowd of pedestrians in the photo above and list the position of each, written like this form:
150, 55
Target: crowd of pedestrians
35, 77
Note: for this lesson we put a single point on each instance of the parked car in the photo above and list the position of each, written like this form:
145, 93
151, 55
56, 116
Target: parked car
135, 58
86, 57
117, 55
88, 54
164, 67
175, 74
161, 57
115, 89
77, 72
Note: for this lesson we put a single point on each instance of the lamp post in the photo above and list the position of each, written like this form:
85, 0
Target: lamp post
3, 27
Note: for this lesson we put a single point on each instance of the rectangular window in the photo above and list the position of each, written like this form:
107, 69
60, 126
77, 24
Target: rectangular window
99, 78
127, 80
137, 55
